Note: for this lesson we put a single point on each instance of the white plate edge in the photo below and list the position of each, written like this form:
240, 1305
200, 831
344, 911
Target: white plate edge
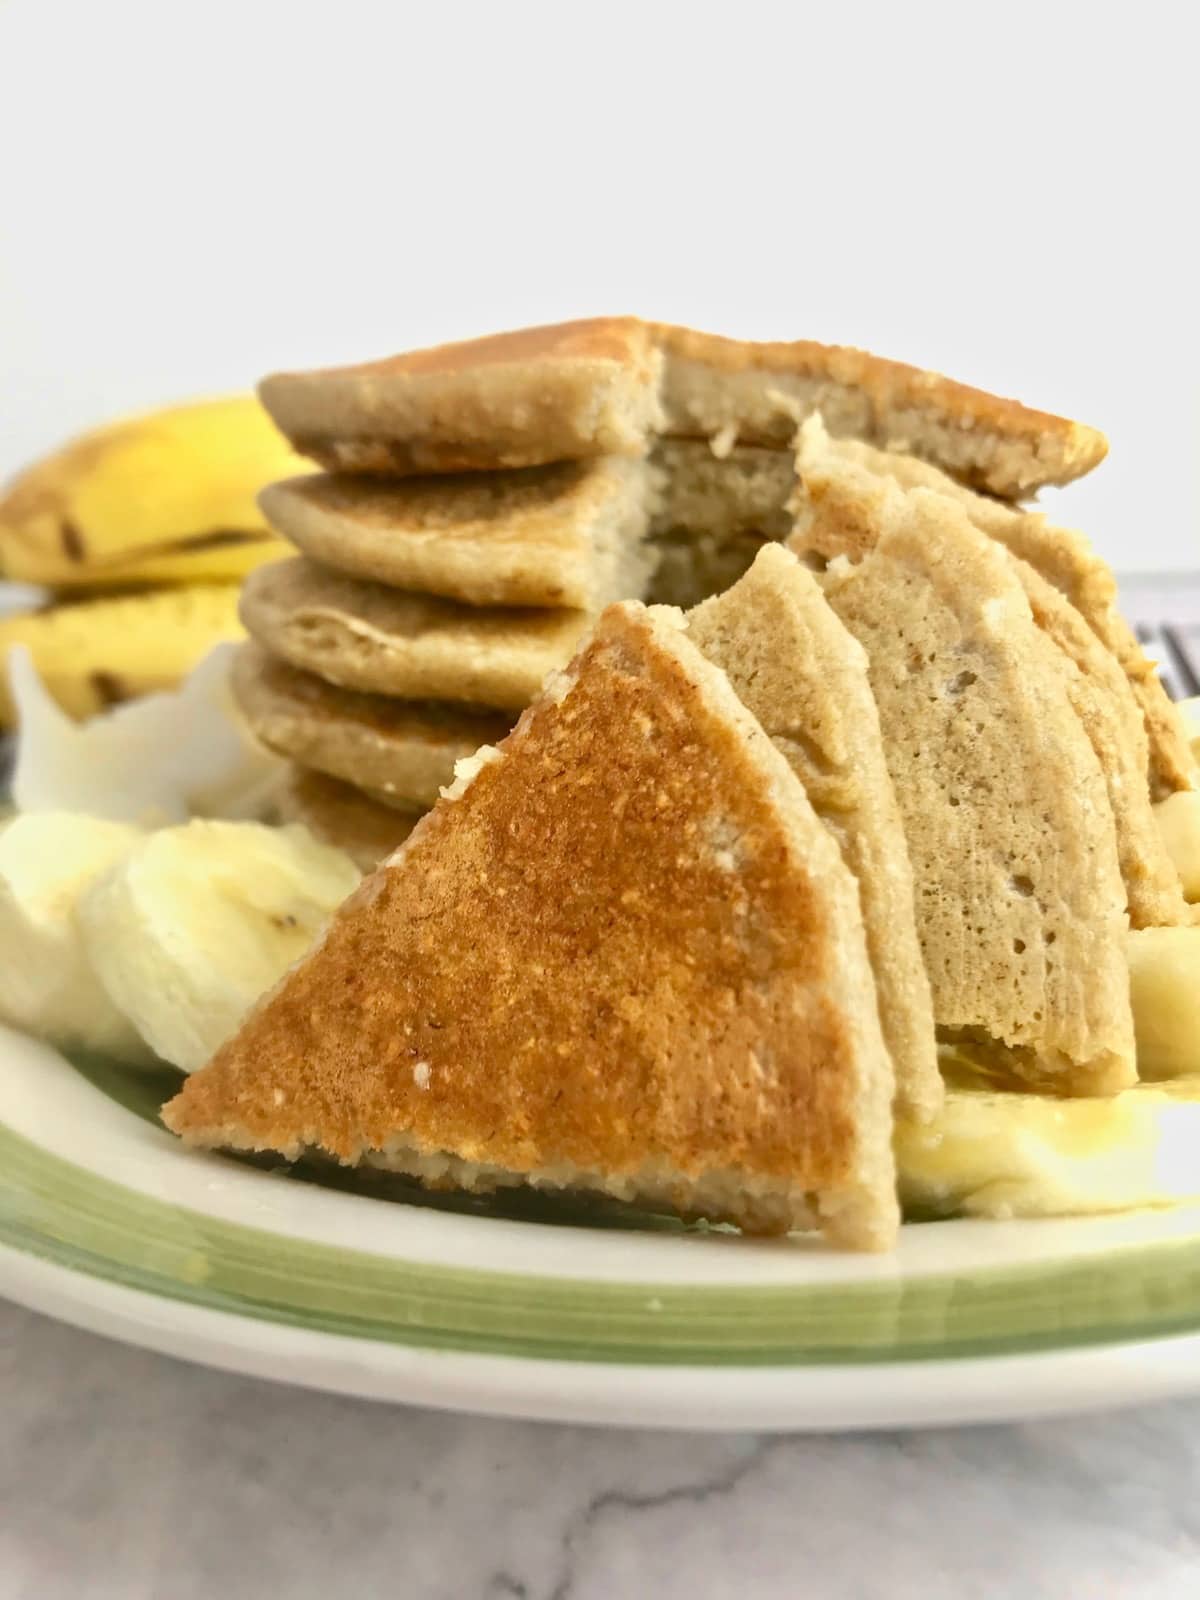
718, 1399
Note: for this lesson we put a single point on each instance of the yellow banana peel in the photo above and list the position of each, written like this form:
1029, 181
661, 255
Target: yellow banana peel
92, 654
169, 497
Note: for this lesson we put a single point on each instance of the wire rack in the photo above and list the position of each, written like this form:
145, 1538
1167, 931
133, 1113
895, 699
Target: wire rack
1164, 611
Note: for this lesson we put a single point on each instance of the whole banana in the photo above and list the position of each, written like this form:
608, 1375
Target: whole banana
96, 653
169, 497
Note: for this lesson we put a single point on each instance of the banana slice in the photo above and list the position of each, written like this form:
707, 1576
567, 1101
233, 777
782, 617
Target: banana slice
94, 654
197, 922
998, 1153
1164, 976
169, 497
47, 986
1178, 818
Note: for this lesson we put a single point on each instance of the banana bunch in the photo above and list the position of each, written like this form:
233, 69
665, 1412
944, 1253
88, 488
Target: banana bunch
168, 497
142, 530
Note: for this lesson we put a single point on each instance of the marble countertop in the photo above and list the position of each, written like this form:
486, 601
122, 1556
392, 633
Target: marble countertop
129, 1475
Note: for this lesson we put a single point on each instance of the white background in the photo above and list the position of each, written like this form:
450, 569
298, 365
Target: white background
192, 194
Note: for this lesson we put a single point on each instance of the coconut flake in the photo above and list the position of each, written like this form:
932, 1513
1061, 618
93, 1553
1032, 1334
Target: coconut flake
161, 759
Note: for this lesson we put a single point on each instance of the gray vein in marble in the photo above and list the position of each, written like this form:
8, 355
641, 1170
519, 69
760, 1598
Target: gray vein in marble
503, 1583
619, 1500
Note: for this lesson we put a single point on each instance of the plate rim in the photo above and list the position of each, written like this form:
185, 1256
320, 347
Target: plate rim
125, 1270
848, 1398
57, 1210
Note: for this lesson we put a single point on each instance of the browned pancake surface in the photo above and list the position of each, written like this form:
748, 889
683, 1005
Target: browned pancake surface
629, 945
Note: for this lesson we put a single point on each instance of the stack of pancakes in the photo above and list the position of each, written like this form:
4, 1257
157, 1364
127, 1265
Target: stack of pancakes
696, 930
484, 501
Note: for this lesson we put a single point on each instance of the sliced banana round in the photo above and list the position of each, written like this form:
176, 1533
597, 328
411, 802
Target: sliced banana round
999, 1152
196, 923
1164, 979
1178, 818
48, 861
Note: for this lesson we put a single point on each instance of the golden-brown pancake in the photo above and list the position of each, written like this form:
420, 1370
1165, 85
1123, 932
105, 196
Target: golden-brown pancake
412, 646
610, 385
1065, 559
567, 535
838, 513
403, 750
1020, 902
623, 955
797, 669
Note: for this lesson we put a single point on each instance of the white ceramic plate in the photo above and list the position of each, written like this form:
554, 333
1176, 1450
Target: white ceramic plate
593, 1314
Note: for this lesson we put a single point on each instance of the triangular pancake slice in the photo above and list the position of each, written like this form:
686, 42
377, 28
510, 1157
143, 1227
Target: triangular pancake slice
1104, 703
1065, 559
797, 669
844, 484
1020, 903
623, 956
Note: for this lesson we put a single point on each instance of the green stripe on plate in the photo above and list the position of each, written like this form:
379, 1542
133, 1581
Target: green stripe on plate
60, 1212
